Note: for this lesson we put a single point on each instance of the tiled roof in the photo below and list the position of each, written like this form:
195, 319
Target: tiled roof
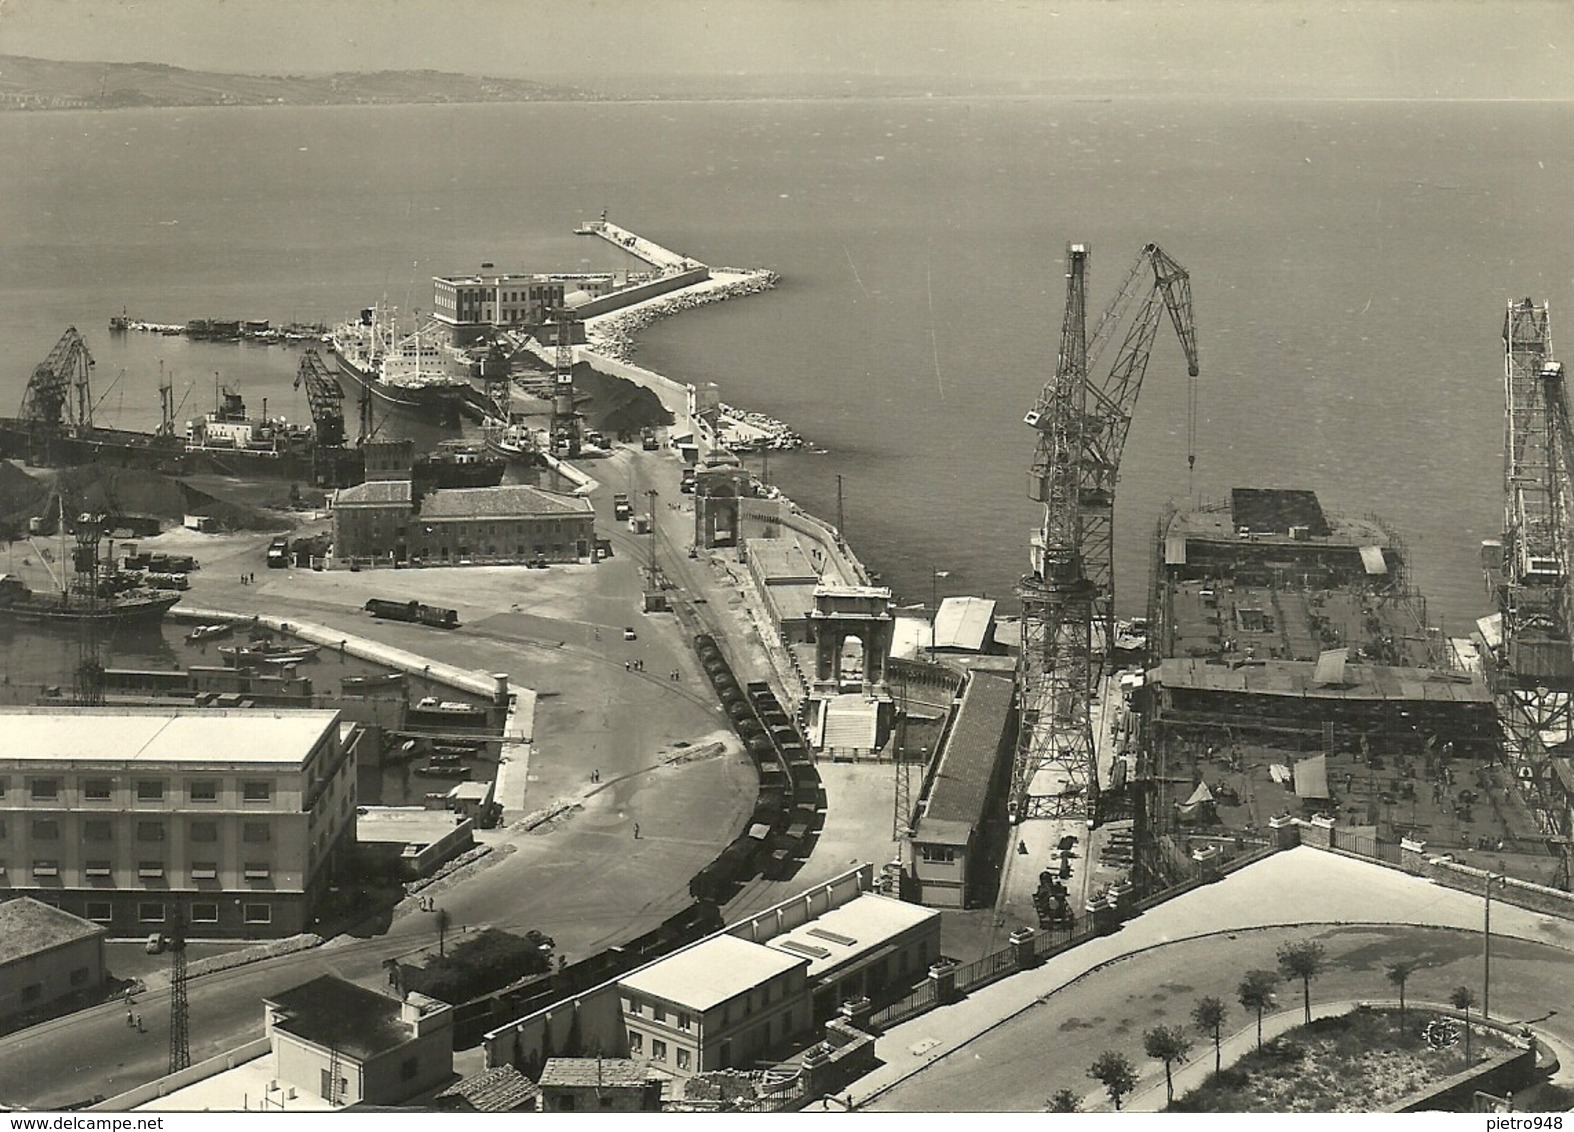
968, 762
595, 1072
28, 926
374, 492
499, 1089
504, 502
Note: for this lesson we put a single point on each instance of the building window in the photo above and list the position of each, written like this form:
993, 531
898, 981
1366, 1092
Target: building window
660, 1012
685, 1059
98, 869
255, 831
685, 1020
658, 1050
96, 831
46, 830
150, 790
44, 789
46, 867
204, 870
257, 870
79, 977
257, 792
204, 831
150, 912
150, 831
636, 1042
96, 789
100, 911
940, 854
150, 870
204, 790
258, 913
5, 784
205, 912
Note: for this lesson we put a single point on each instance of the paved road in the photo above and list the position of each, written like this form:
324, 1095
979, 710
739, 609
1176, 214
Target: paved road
1018, 1066
585, 880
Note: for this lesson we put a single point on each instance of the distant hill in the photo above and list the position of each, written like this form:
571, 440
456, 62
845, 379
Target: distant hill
46, 84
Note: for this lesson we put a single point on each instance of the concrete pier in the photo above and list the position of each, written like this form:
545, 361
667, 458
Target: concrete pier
652, 253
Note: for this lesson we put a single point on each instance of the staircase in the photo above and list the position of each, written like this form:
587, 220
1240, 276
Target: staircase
849, 727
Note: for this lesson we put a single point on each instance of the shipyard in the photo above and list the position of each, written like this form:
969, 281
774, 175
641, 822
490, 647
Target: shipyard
468, 651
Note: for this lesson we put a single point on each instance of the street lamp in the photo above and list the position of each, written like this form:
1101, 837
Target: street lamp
1486, 946
934, 606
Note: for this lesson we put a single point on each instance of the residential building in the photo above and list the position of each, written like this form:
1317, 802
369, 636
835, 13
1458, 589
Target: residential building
720, 1003
351, 1045
961, 820
49, 959
237, 819
599, 1084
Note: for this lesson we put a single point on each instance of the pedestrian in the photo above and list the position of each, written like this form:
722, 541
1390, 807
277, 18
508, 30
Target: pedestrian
140, 1030
628, 666
131, 1019
636, 831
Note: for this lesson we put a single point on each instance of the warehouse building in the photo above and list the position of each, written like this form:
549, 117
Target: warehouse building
239, 820
384, 523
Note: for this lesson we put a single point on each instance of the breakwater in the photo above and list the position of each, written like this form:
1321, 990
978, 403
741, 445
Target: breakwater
613, 334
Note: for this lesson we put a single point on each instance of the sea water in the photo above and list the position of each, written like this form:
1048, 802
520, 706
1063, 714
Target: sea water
1350, 263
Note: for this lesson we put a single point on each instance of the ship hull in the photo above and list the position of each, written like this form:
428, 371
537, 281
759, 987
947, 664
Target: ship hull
140, 612
434, 404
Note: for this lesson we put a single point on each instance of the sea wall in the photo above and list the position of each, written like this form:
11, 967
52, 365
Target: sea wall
613, 335
641, 292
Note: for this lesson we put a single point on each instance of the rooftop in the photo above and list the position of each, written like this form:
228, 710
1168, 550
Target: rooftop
711, 972
595, 1073
505, 502
374, 492
963, 623
337, 1014
206, 736
379, 825
852, 931
780, 560
968, 762
499, 1089
1268, 515
1296, 678
28, 926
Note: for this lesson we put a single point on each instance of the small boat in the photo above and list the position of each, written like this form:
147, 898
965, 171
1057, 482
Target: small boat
383, 680
292, 655
445, 759
209, 632
457, 750
447, 770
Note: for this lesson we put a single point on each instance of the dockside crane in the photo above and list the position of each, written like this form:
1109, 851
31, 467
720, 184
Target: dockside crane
60, 392
1529, 576
325, 398
566, 424
1082, 423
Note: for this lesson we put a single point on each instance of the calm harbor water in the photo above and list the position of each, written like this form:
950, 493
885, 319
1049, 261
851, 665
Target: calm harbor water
1350, 263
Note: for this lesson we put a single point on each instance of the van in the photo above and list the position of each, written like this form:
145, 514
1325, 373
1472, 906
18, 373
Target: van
155, 943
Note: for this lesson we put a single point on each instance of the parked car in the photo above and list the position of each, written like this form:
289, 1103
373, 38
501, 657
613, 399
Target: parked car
630, 635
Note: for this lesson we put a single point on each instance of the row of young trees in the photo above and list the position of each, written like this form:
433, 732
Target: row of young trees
1301, 960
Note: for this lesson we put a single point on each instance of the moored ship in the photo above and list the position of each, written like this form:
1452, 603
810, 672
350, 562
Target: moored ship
20, 603
407, 372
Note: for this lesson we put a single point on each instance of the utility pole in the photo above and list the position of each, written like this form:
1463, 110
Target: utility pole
650, 495
179, 1038
902, 794
840, 518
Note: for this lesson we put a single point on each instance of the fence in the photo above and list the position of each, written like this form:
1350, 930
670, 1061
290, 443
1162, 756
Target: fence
902, 1009
1365, 845
995, 965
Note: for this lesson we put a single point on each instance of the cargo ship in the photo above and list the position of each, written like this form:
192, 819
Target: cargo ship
409, 373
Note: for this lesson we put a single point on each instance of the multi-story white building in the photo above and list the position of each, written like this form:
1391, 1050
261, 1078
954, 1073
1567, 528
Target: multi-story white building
236, 819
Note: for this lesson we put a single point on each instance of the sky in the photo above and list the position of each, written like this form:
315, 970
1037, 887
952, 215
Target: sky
1289, 48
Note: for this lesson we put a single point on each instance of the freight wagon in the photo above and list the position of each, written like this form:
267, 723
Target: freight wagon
413, 611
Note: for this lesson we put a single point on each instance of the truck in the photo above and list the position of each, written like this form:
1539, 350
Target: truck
647, 439
413, 611
687, 484
620, 506
279, 553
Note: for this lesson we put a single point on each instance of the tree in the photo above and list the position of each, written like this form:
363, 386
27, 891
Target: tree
1399, 973
1208, 1016
1065, 1101
1463, 999
444, 918
1113, 1070
1169, 1044
1304, 961
1256, 993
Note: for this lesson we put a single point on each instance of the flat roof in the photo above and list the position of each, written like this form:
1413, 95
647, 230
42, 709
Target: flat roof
207, 736
852, 931
964, 623
780, 561
790, 601
504, 502
28, 926
403, 826
335, 1013
1297, 678
711, 972
967, 765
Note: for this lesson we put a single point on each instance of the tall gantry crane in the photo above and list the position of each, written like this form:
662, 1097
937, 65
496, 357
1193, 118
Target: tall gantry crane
565, 429
1082, 423
60, 392
324, 396
1529, 579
